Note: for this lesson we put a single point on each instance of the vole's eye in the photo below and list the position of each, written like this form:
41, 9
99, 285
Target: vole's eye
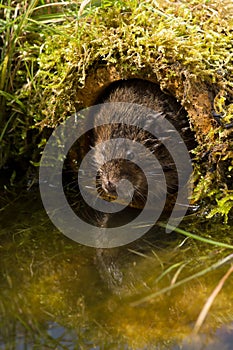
129, 155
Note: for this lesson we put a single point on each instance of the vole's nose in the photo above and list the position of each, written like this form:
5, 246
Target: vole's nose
109, 187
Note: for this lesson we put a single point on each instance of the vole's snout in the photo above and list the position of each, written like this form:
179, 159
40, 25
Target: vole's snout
109, 187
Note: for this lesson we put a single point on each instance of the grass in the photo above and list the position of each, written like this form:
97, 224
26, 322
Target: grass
196, 237
23, 28
167, 289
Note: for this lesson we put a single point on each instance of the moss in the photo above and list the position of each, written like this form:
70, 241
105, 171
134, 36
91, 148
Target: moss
133, 37
224, 206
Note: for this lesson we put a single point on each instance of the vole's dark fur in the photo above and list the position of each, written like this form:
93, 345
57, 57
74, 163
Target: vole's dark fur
147, 94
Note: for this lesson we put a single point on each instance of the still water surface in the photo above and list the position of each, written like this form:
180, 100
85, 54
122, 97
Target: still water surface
58, 294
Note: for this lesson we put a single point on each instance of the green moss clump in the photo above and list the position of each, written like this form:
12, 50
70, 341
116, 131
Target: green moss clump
133, 37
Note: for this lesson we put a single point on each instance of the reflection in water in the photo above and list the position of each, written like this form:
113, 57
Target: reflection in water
57, 294
53, 335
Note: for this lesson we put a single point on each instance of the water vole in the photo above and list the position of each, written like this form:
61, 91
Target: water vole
112, 169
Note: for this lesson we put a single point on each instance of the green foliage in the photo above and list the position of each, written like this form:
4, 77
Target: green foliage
131, 36
22, 35
224, 206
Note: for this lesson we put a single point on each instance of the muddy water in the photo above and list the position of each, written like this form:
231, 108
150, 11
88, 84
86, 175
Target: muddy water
58, 294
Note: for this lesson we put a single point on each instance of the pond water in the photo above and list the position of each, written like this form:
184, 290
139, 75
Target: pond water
58, 294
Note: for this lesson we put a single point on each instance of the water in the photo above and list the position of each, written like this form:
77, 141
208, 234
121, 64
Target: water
58, 294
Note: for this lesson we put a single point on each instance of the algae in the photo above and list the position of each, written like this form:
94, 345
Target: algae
49, 280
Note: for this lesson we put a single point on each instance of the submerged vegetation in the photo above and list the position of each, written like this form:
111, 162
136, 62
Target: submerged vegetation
53, 290
56, 55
